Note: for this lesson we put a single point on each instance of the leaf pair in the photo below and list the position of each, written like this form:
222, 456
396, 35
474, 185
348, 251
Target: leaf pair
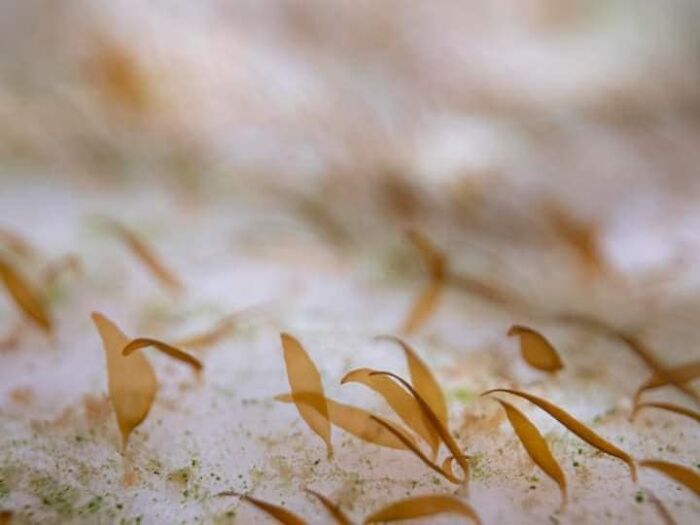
408, 508
26, 297
536, 350
682, 374
537, 447
131, 381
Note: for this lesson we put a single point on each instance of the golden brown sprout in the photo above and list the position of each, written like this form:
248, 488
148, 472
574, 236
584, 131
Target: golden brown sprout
427, 301
120, 79
6, 517
682, 374
146, 255
581, 237
333, 509
304, 378
175, 353
423, 380
401, 402
536, 350
535, 445
683, 475
575, 426
209, 337
274, 511
669, 407
353, 420
437, 425
447, 473
422, 506
27, 299
131, 380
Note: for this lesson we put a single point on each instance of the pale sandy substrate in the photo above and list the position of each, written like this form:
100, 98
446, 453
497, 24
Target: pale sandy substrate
59, 459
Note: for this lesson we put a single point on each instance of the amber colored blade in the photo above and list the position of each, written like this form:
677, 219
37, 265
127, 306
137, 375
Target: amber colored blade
274, 511
27, 299
413, 448
303, 377
681, 374
422, 506
428, 300
333, 509
536, 350
435, 422
575, 426
353, 420
6, 517
670, 408
175, 353
400, 401
678, 473
535, 445
131, 381
208, 337
423, 380
147, 256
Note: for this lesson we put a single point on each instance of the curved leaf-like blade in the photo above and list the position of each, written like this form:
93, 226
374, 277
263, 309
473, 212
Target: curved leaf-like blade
304, 378
131, 381
535, 445
280, 514
353, 420
536, 350
681, 374
423, 380
174, 352
683, 475
400, 401
333, 509
575, 426
428, 300
670, 408
146, 255
422, 506
27, 299
447, 473
437, 425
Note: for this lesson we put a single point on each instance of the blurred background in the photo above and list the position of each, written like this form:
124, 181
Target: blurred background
276, 153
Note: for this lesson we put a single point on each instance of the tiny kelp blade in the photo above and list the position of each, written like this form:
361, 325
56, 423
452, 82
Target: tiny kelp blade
575, 426
54, 270
274, 511
681, 374
423, 380
582, 238
422, 506
333, 509
209, 337
401, 402
27, 299
535, 445
131, 381
536, 350
304, 378
678, 473
172, 351
435, 422
147, 256
692, 414
428, 300
354, 420
396, 431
